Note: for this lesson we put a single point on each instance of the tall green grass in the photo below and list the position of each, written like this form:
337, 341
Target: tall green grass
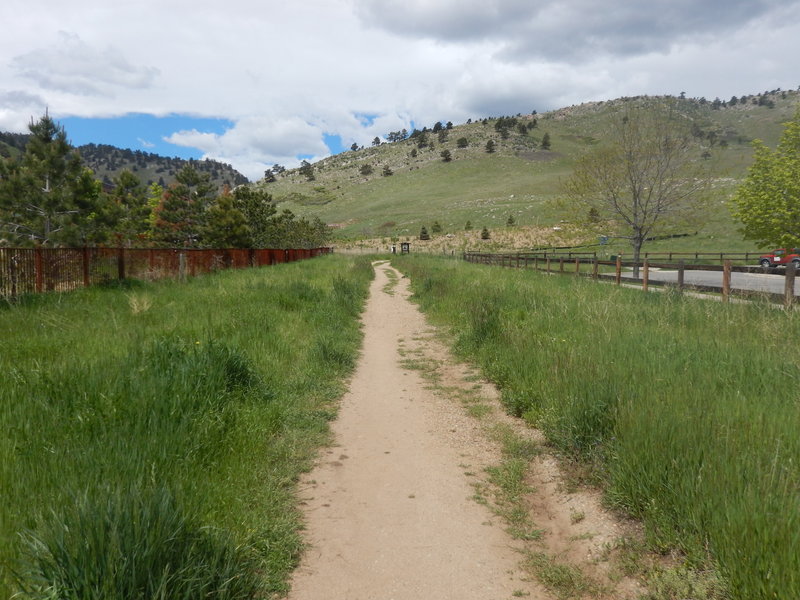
687, 409
153, 433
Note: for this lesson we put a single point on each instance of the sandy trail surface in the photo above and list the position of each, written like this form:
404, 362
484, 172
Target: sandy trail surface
390, 508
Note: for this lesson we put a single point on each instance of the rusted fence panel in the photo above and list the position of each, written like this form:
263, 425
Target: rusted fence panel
35, 270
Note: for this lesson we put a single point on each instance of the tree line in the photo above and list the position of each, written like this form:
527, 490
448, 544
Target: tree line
49, 197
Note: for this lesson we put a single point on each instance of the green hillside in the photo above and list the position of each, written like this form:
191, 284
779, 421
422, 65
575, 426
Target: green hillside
519, 179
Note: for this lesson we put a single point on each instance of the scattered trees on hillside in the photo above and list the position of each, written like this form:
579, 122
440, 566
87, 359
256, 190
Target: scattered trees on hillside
768, 201
397, 136
646, 179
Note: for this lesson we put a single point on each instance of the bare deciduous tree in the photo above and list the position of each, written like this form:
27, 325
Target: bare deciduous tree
649, 177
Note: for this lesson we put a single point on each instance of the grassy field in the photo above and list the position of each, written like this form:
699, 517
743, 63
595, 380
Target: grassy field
153, 433
519, 179
686, 409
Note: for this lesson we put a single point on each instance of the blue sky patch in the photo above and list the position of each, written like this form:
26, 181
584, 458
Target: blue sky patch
141, 132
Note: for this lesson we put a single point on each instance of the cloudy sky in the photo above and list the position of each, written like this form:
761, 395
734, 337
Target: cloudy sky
255, 82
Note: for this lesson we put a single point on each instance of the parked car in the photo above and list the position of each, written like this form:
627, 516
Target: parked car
781, 256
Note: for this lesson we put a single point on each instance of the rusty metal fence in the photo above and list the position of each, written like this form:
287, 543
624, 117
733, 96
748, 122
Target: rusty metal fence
36, 270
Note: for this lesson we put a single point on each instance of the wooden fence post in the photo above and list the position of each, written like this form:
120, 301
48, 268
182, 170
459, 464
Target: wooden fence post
788, 288
577, 266
645, 274
594, 268
618, 275
726, 281
681, 269
561, 265
548, 264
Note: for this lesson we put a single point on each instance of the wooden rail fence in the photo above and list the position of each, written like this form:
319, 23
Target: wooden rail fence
589, 266
36, 270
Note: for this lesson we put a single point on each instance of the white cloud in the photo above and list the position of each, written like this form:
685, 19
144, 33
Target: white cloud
70, 65
287, 73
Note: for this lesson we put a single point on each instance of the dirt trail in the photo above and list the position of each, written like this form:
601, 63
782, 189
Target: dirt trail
390, 508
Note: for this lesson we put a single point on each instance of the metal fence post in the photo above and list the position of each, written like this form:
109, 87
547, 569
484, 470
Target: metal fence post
121, 263
86, 281
38, 265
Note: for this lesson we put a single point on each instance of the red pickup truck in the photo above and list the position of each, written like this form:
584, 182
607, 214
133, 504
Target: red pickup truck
781, 256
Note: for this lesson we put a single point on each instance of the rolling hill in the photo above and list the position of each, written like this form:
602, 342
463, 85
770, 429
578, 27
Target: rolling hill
353, 192
107, 162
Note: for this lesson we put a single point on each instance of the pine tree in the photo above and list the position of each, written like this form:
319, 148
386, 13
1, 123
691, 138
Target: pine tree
484, 234
225, 225
47, 196
423, 233
180, 217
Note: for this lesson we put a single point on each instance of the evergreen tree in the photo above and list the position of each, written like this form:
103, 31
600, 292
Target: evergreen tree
132, 211
436, 227
462, 142
545, 144
446, 156
387, 171
423, 233
225, 225
510, 222
484, 234
490, 146
47, 196
468, 226
181, 214
307, 169
258, 210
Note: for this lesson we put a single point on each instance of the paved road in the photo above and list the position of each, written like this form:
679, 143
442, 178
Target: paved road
757, 282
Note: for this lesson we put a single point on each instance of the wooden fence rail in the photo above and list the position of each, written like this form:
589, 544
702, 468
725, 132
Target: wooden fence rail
36, 270
590, 267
